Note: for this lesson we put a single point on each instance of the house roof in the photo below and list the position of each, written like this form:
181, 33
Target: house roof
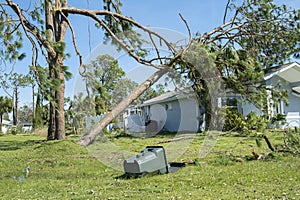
182, 93
289, 72
5, 122
296, 91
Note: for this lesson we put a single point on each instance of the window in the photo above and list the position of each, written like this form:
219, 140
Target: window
230, 102
168, 106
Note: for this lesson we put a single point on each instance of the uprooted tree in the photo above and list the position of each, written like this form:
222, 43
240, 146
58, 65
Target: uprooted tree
258, 34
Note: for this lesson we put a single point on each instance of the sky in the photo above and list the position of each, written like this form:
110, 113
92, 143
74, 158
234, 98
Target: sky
163, 15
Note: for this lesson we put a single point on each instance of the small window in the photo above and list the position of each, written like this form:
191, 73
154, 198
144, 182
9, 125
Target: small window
168, 106
230, 102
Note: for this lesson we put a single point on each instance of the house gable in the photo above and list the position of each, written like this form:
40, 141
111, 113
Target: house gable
289, 72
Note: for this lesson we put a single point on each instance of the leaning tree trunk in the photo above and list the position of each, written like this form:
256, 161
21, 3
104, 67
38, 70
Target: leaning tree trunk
97, 129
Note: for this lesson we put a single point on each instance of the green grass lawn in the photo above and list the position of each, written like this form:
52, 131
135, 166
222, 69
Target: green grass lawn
64, 170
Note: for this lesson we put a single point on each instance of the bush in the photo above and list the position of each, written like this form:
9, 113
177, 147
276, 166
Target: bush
292, 140
255, 122
234, 121
278, 120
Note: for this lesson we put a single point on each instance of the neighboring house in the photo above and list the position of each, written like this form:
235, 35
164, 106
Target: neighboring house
179, 111
6, 125
26, 126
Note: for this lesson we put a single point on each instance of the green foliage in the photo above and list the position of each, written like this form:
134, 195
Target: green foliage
125, 87
292, 140
278, 28
38, 120
15, 130
256, 122
102, 76
234, 121
80, 108
6, 105
278, 119
59, 47
262, 35
25, 113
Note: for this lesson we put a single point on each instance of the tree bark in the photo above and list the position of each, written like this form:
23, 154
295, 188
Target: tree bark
56, 27
97, 129
1, 123
268, 143
15, 109
50, 38
60, 25
59, 112
33, 106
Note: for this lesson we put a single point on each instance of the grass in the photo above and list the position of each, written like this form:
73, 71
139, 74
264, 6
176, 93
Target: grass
64, 170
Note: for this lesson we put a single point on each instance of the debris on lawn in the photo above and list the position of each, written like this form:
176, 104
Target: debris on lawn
152, 159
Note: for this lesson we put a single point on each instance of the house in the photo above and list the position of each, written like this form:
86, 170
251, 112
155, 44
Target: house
175, 111
179, 110
288, 76
6, 125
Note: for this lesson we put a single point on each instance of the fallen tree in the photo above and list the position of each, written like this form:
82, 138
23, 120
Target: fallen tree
242, 49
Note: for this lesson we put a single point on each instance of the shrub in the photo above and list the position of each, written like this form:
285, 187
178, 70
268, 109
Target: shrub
234, 121
278, 120
292, 140
255, 122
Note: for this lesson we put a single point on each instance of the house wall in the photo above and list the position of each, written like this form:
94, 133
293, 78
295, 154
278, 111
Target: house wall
294, 102
177, 115
173, 111
190, 115
291, 110
158, 113
247, 108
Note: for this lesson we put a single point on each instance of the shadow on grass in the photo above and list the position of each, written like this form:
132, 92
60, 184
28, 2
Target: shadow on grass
145, 134
9, 145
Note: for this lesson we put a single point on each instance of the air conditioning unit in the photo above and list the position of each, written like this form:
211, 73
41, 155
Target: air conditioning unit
151, 159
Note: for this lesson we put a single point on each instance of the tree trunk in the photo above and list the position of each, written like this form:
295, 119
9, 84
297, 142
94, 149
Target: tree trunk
0, 123
97, 129
38, 119
59, 112
50, 37
51, 122
56, 26
33, 106
60, 27
15, 109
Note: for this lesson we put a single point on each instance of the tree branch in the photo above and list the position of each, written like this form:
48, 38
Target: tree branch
73, 38
28, 27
